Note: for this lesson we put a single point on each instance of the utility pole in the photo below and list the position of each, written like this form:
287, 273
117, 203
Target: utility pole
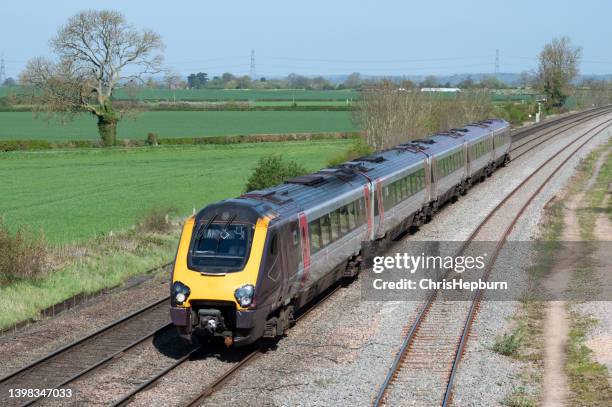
497, 61
253, 73
2, 70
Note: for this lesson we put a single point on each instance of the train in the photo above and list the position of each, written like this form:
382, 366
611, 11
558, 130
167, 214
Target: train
246, 266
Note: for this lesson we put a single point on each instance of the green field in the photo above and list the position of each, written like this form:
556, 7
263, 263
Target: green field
74, 195
221, 94
22, 125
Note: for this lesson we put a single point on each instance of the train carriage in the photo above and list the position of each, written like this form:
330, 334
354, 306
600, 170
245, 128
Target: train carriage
245, 265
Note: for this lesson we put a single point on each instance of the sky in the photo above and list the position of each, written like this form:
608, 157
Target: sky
330, 37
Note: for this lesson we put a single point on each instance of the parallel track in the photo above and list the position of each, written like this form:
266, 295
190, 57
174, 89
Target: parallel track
434, 313
88, 353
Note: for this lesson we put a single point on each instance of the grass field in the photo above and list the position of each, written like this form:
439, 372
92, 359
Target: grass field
22, 125
75, 195
222, 94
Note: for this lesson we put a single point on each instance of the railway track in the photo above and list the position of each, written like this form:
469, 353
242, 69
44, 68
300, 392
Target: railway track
529, 144
429, 357
80, 357
218, 382
84, 356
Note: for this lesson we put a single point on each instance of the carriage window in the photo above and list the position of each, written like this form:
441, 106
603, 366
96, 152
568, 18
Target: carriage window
344, 227
325, 230
335, 225
398, 191
361, 211
315, 235
351, 215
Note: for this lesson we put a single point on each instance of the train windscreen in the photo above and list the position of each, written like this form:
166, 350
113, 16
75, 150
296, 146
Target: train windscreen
220, 247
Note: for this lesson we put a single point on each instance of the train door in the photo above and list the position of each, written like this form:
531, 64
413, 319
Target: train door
379, 208
430, 177
305, 245
466, 161
290, 249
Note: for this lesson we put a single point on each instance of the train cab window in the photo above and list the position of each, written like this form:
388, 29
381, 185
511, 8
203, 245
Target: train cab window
220, 246
274, 245
315, 235
325, 230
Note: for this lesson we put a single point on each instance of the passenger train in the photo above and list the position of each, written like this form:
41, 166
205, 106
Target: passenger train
245, 266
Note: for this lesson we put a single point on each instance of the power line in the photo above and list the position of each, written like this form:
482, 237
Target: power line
252, 71
497, 61
2, 70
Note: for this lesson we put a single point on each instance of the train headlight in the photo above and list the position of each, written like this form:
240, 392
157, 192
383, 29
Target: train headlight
244, 295
180, 292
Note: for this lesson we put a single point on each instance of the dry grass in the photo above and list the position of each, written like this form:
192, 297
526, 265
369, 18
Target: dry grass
23, 255
157, 220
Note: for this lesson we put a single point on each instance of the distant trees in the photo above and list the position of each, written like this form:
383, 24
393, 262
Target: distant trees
558, 66
9, 82
430, 81
97, 51
353, 81
197, 80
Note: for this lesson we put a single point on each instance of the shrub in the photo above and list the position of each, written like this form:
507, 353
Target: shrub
151, 139
509, 344
358, 149
23, 255
157, 220
273, 170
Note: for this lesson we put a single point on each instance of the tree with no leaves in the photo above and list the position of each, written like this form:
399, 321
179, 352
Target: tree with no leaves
388, 115
559, 62
97, 51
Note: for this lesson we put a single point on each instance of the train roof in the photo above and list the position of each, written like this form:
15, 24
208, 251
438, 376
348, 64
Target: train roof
308, 191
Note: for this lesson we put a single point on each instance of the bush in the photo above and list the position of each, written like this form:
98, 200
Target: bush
509, 344
358, 149
157, 220
22, 255
273, 170
151, 139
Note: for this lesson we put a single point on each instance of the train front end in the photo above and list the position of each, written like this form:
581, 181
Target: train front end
214, 280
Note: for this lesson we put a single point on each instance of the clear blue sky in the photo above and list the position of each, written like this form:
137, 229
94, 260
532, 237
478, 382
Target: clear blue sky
334, 36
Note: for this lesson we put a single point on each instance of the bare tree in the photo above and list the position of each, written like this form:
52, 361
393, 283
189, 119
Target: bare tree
172, 80
558, 66
389, 115
96, 52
